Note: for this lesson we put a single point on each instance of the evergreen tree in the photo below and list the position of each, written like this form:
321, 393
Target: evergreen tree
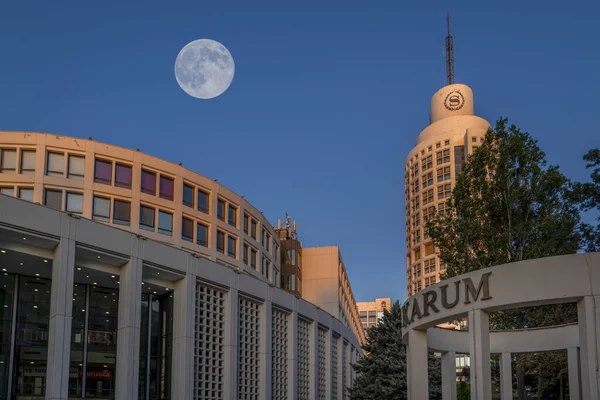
508, 205
381, 374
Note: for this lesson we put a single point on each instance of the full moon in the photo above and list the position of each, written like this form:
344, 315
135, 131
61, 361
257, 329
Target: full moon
204, 68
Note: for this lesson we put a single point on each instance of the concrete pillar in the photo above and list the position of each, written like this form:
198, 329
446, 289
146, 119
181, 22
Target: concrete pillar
184, 318
314, 360
449, 376
293, 354
329, 362
586, 316
481, 375
506, 388
266, 338
61, 315
232, 321
128, 330
416, 363
574, 374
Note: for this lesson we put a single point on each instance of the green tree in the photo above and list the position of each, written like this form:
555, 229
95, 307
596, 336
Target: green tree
588, 195
508, 205
381, 374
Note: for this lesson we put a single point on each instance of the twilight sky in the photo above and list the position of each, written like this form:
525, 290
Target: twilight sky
327, 100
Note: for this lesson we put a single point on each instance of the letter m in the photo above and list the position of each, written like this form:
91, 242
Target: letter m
484, 286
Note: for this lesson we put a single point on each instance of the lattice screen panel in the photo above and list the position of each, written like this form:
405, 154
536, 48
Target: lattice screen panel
322, 363
248, 356
303, 360
279, 355
208, 346
334, 366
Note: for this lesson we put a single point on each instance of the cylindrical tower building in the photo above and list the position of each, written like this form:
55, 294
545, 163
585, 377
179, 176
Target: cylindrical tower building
430, 172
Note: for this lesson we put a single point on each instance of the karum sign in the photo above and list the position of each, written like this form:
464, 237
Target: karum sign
429, 301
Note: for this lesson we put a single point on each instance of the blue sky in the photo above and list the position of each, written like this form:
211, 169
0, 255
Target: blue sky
327, 100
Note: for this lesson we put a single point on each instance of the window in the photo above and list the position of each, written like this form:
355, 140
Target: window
220, 242
474, 139
149, 182
246, 223
56, 164
426, 282
8, 161
246, 251
187, 229
263, 263
427, 163
165, 222
432, 280
166, 187
231, 246
27, 161
122, 213
253, 228
428, 213
443, 174
446, 143
438, 145
202, 234
416, 219
147, 218
428, 197
103, 172
9, 191
221, 209
101, 209
53, 199
429, 148
418, 270
443, 156
427, 180
459, 158
123, 176
188, 195
26, 194
76, 168
444, 191
253, 255
203, 201
416, 186
417, 237
75, 202
443, 209
429, 265
232, 215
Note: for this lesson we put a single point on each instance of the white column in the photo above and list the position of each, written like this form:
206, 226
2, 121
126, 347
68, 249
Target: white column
449, 376
266, 360
481, 375
184, 319
506, 387
574, 376
416, 364
293, 354
232, 322
314, 360
128, 331
61, 315
586, 316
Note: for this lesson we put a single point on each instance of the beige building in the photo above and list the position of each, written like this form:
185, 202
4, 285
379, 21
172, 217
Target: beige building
135, 278
370, 312
325, 283
430, 173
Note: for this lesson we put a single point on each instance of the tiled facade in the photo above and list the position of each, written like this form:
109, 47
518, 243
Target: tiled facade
430, 172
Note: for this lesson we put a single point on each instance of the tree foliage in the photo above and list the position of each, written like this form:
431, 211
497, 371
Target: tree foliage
588, 195
381, 374
507, 206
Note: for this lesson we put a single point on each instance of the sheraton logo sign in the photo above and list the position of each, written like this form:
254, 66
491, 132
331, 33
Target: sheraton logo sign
431, 301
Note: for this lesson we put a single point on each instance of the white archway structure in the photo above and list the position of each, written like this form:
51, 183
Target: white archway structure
552, 280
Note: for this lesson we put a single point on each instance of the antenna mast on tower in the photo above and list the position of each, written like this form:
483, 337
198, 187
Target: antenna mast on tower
449, 56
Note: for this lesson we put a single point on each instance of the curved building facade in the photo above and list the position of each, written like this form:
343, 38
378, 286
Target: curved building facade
110, 301
140, 194
430, 172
